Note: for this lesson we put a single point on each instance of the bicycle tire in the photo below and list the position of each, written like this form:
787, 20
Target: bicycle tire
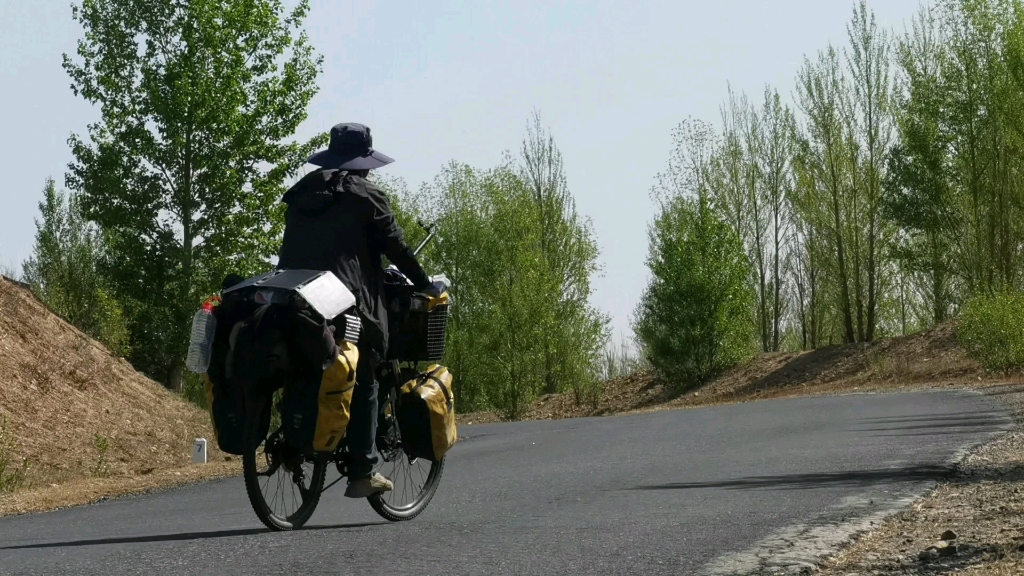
257, 499
402, 514
407, 511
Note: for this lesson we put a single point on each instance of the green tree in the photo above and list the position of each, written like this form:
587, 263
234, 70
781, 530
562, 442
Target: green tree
488, 245
917, 196
984, 164
574, 332
183, 172
737, 192
695, 317
752, 179
64, 271
825, 201
514, 342
520, 259
777, 150
693, 320
456, 202
868, 64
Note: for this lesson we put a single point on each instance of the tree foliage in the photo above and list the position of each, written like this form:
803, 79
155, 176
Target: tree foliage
64, 271
693, 319
573, 333
520, 259
183, 172
891, 193
992, 330
880, 200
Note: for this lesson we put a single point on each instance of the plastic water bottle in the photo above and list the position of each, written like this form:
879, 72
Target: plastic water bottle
200, 346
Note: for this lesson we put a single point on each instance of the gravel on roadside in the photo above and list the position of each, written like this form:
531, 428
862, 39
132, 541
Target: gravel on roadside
971, 524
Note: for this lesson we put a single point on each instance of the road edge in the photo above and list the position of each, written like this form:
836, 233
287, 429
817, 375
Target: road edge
801, 549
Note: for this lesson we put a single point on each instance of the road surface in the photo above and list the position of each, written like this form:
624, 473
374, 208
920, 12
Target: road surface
672, 492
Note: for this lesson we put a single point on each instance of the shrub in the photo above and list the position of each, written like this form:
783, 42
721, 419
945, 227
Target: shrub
694, 318
992, 330
193, 389
12, 475
102, 467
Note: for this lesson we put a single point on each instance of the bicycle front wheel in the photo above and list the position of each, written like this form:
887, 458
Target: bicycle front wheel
415, 480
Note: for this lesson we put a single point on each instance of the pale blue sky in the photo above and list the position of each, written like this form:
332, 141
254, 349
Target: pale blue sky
610, 78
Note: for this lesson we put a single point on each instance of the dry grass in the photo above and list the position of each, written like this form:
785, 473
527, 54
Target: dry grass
91, 490
932, 359
77, 413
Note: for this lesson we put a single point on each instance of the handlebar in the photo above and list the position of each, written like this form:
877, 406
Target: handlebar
430, 235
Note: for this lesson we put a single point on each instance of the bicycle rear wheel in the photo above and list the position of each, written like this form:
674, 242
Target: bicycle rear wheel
415, 480
283, 486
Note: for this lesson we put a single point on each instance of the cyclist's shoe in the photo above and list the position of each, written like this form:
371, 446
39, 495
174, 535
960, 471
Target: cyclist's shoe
368, 486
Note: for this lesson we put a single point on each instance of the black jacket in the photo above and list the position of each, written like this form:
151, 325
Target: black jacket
344, 223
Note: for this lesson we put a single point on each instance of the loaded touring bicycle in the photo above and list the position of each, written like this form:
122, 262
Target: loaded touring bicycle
261, 397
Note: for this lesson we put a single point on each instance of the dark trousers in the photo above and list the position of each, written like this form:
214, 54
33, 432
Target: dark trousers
362, 423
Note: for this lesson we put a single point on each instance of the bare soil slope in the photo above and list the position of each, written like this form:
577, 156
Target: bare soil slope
64, 397
929, 359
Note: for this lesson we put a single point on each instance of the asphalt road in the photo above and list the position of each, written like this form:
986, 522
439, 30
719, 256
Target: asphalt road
661, 493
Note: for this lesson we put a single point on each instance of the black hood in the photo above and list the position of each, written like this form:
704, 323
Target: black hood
314, 193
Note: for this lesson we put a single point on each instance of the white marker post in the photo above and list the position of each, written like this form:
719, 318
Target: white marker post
199, 451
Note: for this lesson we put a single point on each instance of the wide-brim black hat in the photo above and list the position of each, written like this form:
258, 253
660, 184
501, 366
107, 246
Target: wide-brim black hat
351, 148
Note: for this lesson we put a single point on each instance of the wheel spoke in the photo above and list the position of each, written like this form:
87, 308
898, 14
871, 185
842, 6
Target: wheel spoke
283, 493
415, 482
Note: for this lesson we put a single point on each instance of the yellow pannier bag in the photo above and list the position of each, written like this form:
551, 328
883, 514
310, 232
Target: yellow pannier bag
335, 398
426, 414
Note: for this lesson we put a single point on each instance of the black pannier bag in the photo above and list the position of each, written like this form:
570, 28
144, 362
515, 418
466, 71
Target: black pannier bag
268, 339
226, 402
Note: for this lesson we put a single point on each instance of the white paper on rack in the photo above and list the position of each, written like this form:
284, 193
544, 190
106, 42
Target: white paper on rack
443, 280
327, 295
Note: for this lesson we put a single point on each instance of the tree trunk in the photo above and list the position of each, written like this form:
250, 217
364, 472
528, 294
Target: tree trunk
776, 304
844, 288
175, 377
872, 273
938, 282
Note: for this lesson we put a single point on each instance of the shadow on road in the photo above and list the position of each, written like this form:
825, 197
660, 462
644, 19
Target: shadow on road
179, 537
818, 480
978, 421
974, 415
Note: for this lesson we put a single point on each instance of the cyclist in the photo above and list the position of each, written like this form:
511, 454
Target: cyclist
338, 220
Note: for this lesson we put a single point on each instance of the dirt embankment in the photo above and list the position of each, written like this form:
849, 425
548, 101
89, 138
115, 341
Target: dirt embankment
932, 359
89, 425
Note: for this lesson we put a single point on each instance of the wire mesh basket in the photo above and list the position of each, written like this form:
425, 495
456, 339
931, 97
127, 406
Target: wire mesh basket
415, 334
